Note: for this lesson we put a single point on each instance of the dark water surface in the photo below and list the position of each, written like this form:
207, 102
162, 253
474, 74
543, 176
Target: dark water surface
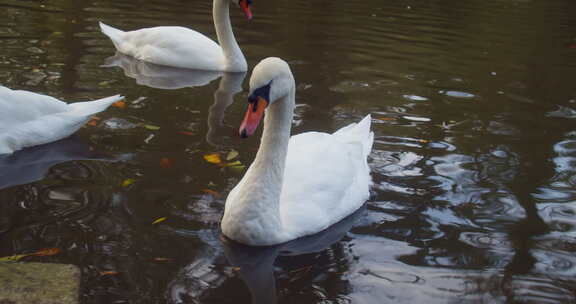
474, 163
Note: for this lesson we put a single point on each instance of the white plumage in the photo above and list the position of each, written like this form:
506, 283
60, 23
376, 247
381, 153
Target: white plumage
29, 119
182, 47
297, 185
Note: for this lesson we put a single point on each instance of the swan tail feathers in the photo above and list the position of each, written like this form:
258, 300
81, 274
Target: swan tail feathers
358, 132
92, 107
114, 34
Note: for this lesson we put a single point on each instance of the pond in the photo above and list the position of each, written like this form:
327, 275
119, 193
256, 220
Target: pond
474, 161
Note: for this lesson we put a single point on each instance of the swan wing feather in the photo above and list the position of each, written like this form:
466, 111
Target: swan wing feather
169, 46
38, 119
326, 178
17, 106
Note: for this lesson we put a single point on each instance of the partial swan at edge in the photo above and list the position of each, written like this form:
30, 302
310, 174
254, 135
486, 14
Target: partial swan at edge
28, 119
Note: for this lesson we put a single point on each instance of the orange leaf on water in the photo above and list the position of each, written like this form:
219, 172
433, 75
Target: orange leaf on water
109, 272
165, 163
186, 133
212, 192
119, 104
47, 252
213, 158
94, 121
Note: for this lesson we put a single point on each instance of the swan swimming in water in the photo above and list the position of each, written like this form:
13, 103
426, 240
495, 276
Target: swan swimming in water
185, 48
29, 119
297, 185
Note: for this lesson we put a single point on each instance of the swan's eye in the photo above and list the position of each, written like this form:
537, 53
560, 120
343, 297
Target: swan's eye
263, 92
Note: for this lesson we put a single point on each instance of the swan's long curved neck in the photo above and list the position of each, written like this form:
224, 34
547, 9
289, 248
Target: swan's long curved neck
235, 61
268, 166
258, 195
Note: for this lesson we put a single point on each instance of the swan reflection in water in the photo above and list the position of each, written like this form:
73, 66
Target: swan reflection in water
32, 164
172, 78
255, 265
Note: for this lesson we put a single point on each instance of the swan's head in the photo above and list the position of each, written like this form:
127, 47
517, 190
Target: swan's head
271, 80
245, 5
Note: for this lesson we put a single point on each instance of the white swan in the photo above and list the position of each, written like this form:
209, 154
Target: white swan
297, 185
185, 48
29, 119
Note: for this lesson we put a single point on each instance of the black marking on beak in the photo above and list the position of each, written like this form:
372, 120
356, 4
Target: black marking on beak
255, 106
243, 134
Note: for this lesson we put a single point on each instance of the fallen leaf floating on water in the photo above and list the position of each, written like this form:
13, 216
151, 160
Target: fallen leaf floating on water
238, 168
127, 182
152, 127
14, 258
232, 164
41, 252
186, 133
165, 163
211, 192
93, 121
47, 252
232, 155
213, 158
119, 104
104, 83
109, 272
160, 220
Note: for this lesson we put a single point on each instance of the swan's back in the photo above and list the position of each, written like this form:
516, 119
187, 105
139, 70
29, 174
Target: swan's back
326, 178
169, 46
19, 106
30, 119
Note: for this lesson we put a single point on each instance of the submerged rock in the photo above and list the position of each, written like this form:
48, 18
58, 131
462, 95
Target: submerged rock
40, 283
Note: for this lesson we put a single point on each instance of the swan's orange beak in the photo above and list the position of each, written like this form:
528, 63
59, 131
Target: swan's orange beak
253, 116
245, 5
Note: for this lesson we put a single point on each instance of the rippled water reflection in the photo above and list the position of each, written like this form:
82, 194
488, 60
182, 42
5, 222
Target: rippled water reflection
474, 163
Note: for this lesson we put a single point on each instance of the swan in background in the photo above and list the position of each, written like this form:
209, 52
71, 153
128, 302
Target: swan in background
298, 185
182, 47
29, 119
